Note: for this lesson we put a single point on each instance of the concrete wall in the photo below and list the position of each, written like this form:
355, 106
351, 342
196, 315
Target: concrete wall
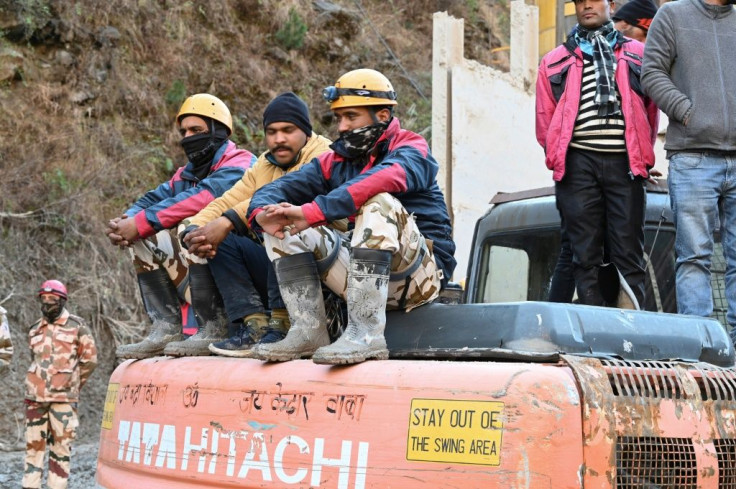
483, 128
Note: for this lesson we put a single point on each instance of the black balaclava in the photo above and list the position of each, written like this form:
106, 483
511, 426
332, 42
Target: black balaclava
201, 148
51, 312
357, 143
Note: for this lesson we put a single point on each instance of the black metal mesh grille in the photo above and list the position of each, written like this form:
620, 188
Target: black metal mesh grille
649, 462
644, 379
726, 450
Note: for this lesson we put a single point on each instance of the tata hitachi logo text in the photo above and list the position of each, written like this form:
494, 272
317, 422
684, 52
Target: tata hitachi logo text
255, 456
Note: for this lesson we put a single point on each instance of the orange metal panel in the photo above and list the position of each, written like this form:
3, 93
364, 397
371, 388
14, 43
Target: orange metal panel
646, 424
215, 422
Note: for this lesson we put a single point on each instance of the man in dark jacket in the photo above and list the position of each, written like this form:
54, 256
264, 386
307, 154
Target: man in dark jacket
598, 130
400, 252
690, 71
167, 274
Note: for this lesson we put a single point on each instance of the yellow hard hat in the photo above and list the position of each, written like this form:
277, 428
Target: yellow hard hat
207, 105
358, 88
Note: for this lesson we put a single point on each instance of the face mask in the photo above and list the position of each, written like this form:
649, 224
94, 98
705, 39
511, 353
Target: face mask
53, 310
358, 142
200, 149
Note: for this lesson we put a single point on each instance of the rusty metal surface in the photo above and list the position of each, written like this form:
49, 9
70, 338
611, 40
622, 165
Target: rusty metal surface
656, 424
216, 422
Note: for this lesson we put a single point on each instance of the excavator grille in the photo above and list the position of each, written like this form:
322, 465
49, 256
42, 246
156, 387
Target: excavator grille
726, 450
649, 462
661, 424
644, 379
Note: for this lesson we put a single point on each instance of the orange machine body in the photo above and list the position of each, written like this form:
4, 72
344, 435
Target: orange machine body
579, 422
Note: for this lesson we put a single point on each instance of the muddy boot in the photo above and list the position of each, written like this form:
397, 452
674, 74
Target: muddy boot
301, 290
368, 276
162, 305
209, 311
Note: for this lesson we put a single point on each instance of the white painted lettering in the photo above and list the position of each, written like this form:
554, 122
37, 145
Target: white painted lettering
320, 460
361, 467
231, 452
278, 459
167, 448
189, 447
150, 439
134, 444
291, 454
123, 435
249, 462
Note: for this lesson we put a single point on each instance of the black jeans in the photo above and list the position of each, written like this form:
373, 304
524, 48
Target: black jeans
245, 277
601, 202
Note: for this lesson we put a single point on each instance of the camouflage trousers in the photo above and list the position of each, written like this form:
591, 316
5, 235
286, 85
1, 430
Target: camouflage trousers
56, 422
382, 223
163, 250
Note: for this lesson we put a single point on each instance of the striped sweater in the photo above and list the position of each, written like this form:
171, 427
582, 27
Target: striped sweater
594, 132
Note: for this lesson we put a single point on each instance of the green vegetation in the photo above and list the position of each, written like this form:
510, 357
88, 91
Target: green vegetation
291, 35
177, 94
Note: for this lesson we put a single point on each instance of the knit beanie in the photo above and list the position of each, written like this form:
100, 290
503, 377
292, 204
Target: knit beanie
287, 107
638, 13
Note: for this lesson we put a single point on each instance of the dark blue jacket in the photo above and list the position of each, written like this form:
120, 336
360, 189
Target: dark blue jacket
185, 195
330, 188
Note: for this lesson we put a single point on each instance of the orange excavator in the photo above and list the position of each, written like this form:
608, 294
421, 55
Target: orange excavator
491, 388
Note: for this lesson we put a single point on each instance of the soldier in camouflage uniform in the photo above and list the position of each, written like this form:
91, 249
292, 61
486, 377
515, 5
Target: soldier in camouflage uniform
63, 357
6, 346
399, 253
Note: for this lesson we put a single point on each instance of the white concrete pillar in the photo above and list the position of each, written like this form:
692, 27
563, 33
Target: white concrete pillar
447, 52
524, 43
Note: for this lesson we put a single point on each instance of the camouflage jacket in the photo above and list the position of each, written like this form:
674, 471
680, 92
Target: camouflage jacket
63, 357
6, 346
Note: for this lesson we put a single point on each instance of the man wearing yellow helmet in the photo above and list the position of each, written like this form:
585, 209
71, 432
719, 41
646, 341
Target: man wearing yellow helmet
220, 233
399, 253
167, 274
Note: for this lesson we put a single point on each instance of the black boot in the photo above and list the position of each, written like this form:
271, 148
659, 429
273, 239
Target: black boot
162, 306
209, 311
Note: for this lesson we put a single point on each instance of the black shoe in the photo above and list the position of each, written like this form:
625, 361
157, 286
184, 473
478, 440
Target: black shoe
239, 345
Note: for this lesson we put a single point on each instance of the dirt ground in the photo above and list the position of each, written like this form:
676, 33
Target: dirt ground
84, 462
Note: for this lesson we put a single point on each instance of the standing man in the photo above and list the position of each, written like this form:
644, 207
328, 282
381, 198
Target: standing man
6, 346
690, 71
598, 130
168, 275
220, 231
632, 20
63, 356
400, 252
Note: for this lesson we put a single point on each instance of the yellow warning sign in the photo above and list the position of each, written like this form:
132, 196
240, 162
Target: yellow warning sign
110, 402
463, 432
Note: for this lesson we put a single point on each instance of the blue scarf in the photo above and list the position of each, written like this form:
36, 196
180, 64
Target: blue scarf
599, 43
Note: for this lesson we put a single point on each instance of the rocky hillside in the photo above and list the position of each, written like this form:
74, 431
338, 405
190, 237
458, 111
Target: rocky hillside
88, 95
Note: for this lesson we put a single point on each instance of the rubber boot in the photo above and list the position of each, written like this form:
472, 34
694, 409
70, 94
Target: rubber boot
301, 291
368, 276
209, 311
162, 305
